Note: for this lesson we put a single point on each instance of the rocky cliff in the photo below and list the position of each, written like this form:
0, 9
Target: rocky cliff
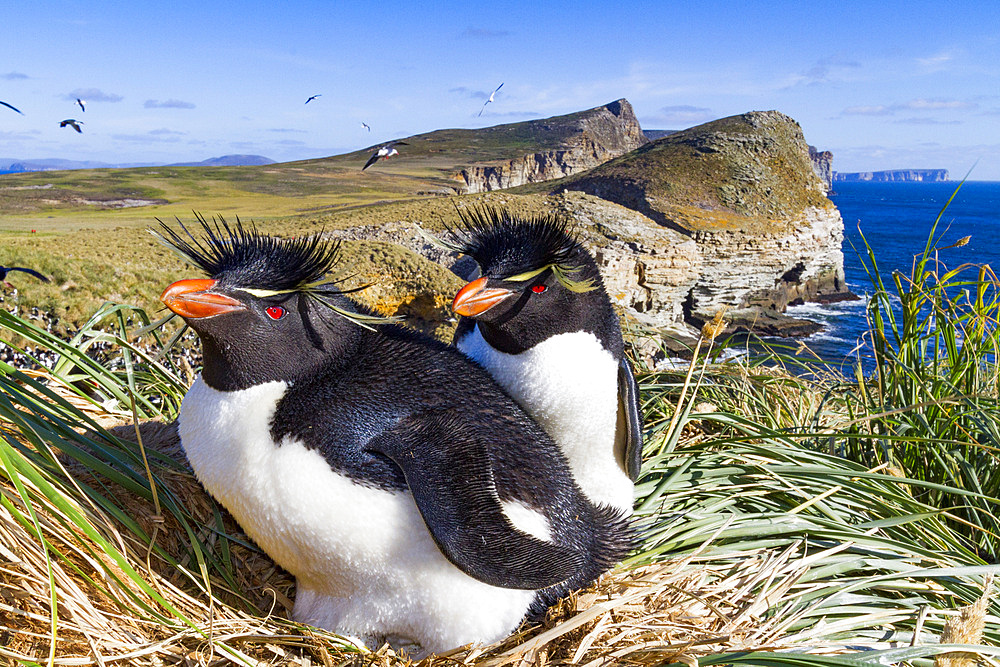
916, 175
591, 138
823, 165
730, 214
745, 190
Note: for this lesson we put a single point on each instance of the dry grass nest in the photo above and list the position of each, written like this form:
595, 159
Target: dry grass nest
89, 612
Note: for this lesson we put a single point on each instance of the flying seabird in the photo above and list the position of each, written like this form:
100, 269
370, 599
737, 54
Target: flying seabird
490, 100
11, 106
312, 97
75, 124
80, 102
385, 152
5, 269
366, 126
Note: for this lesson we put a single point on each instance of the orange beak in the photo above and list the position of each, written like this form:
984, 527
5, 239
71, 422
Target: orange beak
192, 299
475, 298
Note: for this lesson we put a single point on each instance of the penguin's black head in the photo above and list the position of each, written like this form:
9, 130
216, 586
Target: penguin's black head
267, 311
537, 281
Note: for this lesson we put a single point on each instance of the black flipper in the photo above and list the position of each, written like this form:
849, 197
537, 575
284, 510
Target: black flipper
29, 272
449, 474
628, 406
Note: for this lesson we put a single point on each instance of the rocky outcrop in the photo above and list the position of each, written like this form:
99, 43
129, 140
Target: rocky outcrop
745, 190
592, 138
726, 215
915, 175
823, 165
663, 277
769, 271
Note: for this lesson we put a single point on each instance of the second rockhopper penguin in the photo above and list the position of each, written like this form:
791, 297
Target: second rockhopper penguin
412, 499
539, 320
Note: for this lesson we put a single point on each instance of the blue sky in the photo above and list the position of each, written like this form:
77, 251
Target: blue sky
883, 85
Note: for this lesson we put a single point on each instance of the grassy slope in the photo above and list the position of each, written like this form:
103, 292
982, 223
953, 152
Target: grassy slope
70, 224
68, 200
741, 172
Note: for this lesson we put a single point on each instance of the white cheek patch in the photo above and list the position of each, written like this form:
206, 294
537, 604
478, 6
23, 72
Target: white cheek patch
527, 520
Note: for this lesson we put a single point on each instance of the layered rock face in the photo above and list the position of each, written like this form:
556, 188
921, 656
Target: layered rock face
745, 191
594, 137
823, 165
917, 175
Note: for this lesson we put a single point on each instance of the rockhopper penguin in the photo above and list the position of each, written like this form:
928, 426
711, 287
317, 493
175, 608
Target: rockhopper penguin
539, 320
412, 499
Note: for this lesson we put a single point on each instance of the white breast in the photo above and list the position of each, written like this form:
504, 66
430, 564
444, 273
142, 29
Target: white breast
569, 385
364, 561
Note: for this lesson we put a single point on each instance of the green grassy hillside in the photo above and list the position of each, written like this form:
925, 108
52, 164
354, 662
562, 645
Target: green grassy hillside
740, 172
86, 229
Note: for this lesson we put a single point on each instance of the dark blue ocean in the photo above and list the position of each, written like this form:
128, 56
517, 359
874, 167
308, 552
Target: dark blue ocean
896, 219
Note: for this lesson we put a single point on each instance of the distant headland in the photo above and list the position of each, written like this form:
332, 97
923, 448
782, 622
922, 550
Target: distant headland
898, 175
16, 166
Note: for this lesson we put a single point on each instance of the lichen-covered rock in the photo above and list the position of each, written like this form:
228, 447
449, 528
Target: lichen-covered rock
745, 190
749, 172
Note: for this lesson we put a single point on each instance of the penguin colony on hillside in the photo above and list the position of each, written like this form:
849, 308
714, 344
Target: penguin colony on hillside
412, 498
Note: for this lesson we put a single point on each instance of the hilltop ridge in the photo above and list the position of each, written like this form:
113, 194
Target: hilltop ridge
512, 154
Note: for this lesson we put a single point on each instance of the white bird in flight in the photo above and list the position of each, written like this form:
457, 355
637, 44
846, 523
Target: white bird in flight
385, 152
366, 126
489, 100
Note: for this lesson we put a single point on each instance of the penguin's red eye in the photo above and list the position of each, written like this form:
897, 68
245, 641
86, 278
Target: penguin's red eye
275, 312
538, 289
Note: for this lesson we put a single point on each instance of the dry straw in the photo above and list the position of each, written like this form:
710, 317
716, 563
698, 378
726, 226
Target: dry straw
757, 548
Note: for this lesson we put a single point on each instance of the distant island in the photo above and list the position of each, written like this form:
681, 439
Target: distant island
897, 175
228, 161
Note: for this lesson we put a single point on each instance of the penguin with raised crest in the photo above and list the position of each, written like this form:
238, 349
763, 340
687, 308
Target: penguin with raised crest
539, 320
411, 498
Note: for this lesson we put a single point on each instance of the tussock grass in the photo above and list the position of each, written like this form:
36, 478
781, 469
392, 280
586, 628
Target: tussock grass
776, 528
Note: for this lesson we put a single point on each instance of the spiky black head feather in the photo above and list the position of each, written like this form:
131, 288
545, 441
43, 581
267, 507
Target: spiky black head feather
241, 256
505, 245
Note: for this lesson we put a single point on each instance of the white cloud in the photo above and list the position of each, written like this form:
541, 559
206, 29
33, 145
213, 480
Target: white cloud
913, 105
874, 110
148, 138
922, 104
168, 104
92, 95
825, 68
678, 116
937, 61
